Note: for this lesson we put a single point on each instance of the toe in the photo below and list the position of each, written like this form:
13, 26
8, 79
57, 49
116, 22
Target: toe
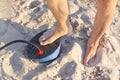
85, 61
45, 42
41, 39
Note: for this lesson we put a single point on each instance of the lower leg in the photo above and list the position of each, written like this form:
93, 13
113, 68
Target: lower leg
103, 19
60, 10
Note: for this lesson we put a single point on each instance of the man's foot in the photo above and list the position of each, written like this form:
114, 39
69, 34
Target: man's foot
51, 35
91, 51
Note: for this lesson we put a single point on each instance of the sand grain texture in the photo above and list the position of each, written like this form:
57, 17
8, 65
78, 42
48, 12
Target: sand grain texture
23, 19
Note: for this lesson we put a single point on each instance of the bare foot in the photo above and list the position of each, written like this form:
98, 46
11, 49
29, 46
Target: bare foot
91, 51
55, 33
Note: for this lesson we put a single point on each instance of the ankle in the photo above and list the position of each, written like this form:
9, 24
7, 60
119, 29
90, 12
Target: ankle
93, 42
63, 29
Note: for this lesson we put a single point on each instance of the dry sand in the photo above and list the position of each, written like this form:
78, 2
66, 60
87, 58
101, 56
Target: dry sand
22, 19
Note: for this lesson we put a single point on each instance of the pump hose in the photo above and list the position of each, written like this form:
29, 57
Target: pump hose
21, 41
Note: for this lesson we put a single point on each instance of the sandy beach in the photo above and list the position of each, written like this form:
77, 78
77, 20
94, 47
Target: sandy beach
23, 19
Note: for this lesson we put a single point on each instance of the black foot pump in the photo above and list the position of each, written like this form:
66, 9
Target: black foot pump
37, 52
